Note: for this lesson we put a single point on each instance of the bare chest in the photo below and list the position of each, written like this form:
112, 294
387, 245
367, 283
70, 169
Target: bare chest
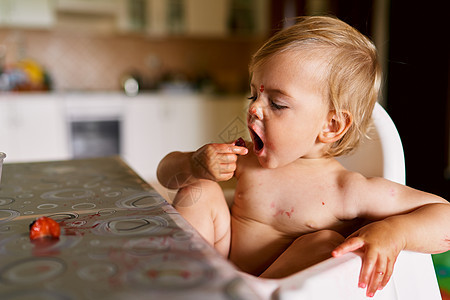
292, 204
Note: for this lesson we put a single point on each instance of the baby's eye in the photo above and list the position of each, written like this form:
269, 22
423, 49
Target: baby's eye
277, 106
252, 98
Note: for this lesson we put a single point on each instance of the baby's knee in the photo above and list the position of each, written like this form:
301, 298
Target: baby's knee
326, 238
330, 235
199, 193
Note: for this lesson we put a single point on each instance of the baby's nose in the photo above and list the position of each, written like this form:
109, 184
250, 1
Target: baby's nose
256, 111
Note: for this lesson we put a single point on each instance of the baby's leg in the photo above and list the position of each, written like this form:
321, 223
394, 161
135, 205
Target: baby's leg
304, 252
203, 205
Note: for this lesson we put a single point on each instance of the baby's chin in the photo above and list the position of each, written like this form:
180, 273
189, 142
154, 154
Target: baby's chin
270, 162
268, 158
274, 160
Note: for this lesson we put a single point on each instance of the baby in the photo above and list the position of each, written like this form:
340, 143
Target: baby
313, 89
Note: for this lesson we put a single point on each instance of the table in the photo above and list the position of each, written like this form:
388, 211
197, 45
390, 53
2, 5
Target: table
119, 238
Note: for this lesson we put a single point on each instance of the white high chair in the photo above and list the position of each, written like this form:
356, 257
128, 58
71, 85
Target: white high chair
337, 278
382, 154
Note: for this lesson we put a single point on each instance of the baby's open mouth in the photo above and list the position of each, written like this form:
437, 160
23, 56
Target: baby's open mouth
257, 141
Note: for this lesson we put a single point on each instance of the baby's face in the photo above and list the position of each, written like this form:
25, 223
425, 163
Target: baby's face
288, 110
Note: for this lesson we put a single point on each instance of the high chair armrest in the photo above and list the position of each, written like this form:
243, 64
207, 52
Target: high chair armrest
337, 278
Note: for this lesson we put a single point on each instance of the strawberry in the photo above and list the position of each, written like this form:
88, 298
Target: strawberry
44, 227
240, 142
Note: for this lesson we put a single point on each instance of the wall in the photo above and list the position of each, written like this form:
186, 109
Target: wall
83, 61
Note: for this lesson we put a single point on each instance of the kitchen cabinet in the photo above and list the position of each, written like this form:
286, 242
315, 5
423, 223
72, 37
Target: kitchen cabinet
174, 17
194, 18
27, 13
154, 125
191, 18
87, 7
204, 17
33, 128
37, 127
142, 135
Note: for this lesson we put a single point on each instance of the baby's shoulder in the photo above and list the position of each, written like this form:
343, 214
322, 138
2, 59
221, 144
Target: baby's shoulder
363, 196
354, 189
354, 184
351, 180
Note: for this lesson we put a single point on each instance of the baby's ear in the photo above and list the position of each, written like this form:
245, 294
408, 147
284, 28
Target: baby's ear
335, 126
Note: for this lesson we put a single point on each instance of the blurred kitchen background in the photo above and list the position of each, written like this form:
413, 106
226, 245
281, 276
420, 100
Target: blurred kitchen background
92, 45
81, 61
140, 78
113, 76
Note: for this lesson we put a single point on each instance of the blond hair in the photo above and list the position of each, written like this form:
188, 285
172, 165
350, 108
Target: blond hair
353, 74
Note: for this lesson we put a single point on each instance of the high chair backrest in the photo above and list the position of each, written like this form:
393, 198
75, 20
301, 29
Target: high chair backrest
414, 276
382, 153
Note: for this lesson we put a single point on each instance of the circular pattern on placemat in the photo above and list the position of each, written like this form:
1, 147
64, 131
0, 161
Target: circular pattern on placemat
6, 201
7, 215
145, 200
147, 246
68, 194
21, 242
132, 225
172, 271
35, 295
97, 271
32, 270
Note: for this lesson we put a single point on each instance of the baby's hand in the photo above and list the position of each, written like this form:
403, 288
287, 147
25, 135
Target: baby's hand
216, 162
380, 249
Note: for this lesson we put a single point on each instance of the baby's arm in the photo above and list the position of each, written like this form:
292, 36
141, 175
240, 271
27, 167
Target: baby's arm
215, 162
413, 220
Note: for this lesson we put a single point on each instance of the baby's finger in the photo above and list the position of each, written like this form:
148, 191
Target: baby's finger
352, 244
241, 146
230, 149
368, 265
224, 176
227, 158
387, 276
225, 148
239, 150
377, 277
227, 168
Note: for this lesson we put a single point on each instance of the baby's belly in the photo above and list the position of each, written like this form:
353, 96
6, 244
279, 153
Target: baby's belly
255, 246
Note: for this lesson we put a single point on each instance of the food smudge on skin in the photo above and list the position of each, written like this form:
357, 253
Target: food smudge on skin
282, 212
